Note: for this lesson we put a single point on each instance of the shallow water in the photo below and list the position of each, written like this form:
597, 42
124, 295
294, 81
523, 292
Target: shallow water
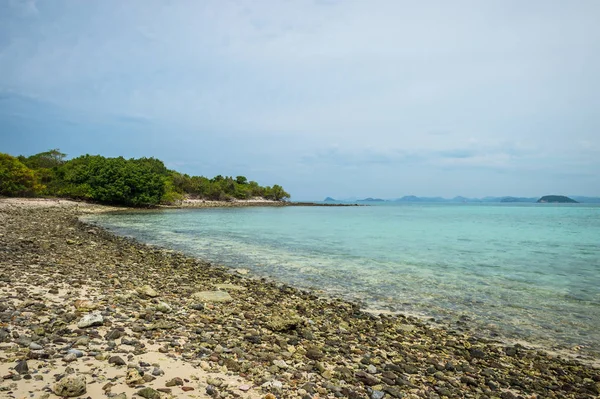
521, 271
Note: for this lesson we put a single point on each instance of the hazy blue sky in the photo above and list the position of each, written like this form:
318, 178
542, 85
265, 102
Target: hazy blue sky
327, 98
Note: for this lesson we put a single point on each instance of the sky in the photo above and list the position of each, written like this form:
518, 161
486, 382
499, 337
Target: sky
327, 98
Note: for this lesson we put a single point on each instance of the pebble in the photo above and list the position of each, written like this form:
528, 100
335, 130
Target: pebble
90, 320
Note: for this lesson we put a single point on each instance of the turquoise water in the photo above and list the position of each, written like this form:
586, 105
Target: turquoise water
529, 272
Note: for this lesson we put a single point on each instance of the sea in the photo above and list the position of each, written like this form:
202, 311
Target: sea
525, 273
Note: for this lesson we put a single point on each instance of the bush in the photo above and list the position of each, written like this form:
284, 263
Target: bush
16, 179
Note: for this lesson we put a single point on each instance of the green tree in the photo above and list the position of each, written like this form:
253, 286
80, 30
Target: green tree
276, 193
16, 179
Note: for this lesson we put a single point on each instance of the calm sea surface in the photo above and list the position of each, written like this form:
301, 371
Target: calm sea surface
529, 271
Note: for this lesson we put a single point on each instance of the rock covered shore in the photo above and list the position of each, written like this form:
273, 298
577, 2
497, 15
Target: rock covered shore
85, 313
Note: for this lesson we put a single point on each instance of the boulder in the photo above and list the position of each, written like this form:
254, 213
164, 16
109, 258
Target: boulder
70, 386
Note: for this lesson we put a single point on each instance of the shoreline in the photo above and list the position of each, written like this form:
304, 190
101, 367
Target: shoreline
268, 337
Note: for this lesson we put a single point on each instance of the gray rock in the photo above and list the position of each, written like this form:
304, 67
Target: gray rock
70, 386
113, 334
22, 367
70, 357
35, 346
117, 361
212, 296
377, 394
76, 352
90, 320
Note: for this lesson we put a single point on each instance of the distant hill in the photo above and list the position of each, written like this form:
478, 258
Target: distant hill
517, 199
557, 199
461, 199
586, 200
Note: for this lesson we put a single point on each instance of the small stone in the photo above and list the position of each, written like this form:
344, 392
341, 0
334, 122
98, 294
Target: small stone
164, 307
157, 372
76, 352
70, 386
280, 363
113, 334
22, 367
173, 382
211, 390
90, 320
314, 354
70, 357
147, 292
133, 378
119, 396
212, 296
149, 393
35, 346
244, 388
377, 394
187, 389
197, 306
117, 361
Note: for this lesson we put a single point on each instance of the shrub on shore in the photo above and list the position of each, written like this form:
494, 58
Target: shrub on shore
16, 179
119, 181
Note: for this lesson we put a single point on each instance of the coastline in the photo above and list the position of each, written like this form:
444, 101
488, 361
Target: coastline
268, 338
199, 203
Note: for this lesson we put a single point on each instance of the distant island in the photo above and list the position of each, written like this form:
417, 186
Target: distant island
460, 199
561, 199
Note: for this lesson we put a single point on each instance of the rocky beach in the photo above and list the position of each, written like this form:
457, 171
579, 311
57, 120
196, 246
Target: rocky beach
84, 313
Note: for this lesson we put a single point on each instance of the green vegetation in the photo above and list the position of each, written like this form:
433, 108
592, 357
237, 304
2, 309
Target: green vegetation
132, 182
557, 198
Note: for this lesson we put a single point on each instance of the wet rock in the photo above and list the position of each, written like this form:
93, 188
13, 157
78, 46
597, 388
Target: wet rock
90, 320
70, 386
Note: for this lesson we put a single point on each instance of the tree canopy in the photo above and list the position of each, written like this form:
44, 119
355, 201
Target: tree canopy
132, 182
